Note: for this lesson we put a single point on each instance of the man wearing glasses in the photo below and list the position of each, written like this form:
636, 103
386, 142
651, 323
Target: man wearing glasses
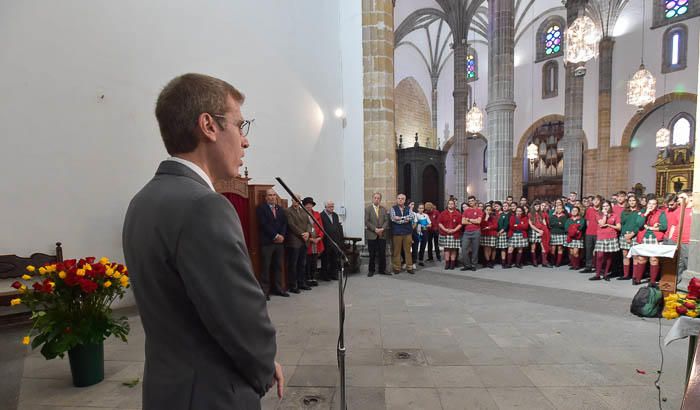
209, 341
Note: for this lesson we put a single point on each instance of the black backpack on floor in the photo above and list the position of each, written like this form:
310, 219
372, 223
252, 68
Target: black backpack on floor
648, 302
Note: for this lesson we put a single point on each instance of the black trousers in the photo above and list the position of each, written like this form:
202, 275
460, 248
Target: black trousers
330, 263
296, 266
271, 258
590, 247
312, 266
377, 250
433, 240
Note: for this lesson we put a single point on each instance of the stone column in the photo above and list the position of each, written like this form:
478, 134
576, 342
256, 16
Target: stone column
460, 96
572, 142
499, 110
378, 102
433, 108
602, 183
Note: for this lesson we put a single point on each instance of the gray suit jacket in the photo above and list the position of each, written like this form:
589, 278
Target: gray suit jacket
209, 341
372, 222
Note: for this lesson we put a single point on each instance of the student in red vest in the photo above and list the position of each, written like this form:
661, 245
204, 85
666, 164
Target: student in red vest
606, 243
652, 232
517, 237
591, 217
631, 222
684, 196
539, 233
489, 234
450, 223
673, 212
433, 232
574, 227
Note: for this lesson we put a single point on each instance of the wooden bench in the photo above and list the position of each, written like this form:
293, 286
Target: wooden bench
13, 267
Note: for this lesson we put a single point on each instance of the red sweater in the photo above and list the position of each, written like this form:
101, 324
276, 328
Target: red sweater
489, 227
450, 220
591, 216
518, 226
607, 232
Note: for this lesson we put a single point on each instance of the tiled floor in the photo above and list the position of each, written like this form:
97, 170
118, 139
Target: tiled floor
490, 339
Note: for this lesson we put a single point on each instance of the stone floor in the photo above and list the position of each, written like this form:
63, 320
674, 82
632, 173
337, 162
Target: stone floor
490, 339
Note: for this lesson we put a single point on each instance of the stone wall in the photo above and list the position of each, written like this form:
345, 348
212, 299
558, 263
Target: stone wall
413, 114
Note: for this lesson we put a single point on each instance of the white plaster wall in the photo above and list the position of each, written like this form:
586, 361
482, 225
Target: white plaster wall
627, 53
644, 151
72, 160
476, 184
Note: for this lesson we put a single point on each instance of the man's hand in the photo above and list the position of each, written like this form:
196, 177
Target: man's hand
305, 236
279, 379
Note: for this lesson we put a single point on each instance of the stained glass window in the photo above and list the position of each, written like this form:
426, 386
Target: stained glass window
471, 65
674, 8
552, 40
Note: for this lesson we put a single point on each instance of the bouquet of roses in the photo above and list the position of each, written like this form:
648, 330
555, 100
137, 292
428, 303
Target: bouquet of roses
681, 304
70, 303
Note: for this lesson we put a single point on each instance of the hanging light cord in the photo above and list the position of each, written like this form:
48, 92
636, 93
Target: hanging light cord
644, 14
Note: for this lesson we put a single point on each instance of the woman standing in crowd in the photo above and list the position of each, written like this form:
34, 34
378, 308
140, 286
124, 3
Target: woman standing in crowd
606, 241
489, 232
575, 226
517, 237
632, 220
503, 226
422, 228
315, 246
652, 232
591, 217
539, 234
433, 232
450, 223
557, 227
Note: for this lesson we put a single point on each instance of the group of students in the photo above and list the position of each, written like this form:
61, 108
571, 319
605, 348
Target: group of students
593, 230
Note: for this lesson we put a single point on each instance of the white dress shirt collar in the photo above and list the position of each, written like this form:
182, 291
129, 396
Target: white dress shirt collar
194, 167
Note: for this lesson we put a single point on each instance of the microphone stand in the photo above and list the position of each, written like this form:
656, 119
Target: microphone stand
342, 282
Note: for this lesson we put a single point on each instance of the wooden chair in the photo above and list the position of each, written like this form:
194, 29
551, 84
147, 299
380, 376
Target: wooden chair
13, 267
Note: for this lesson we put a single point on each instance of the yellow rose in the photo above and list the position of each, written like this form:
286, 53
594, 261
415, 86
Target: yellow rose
53, 284
87, 266
25, 340
42, 270
107, 284
117, 275
124, 280
104, 260
15, 301
669, 314
80, 272
31, 268
62, 274
692, 313
22, 289
109, 272
51, 268
26, 277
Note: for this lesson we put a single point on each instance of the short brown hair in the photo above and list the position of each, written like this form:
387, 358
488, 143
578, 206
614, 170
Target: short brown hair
182, 101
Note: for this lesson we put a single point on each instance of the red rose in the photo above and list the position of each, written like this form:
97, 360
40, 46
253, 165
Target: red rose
87, 285
98, 269
691, 297
689, 305
681, 310
694, 287
71, 279
69, 263
16, 285
90, 260
46, 286
60, 266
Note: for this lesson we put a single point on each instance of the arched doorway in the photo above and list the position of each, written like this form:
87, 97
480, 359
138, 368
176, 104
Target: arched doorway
543, 168
431, 183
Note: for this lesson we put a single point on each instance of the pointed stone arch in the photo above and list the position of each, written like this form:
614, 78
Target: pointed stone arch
413, 113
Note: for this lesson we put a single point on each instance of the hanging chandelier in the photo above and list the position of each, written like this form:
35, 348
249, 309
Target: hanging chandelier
532, 152
475, 120
581, 40
663, 137
641, 89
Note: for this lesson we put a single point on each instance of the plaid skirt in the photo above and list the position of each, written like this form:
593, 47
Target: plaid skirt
449, 242
557, 239
624, 244
650, 240
517, 241
607, 245
534, 237
575, 243
502, 241
488, 241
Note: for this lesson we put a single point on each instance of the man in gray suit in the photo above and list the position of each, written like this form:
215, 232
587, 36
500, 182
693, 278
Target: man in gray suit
209, 341
376, 225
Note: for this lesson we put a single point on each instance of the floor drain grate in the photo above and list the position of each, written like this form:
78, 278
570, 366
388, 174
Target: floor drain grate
310, 400
403, 355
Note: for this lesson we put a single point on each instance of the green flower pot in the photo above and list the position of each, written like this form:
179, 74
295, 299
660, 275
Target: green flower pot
87, 364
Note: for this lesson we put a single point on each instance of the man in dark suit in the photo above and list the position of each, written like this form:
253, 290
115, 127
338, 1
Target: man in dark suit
298, 235
209, 341
330, 260
376, 225
273, 229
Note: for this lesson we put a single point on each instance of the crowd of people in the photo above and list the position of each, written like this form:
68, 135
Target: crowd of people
592, 234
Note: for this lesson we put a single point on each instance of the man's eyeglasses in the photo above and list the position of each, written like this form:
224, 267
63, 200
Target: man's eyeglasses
244, 127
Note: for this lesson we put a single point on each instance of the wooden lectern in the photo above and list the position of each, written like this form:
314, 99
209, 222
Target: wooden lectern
245, 197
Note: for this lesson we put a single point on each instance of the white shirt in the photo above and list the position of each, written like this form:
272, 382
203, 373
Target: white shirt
194, 167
